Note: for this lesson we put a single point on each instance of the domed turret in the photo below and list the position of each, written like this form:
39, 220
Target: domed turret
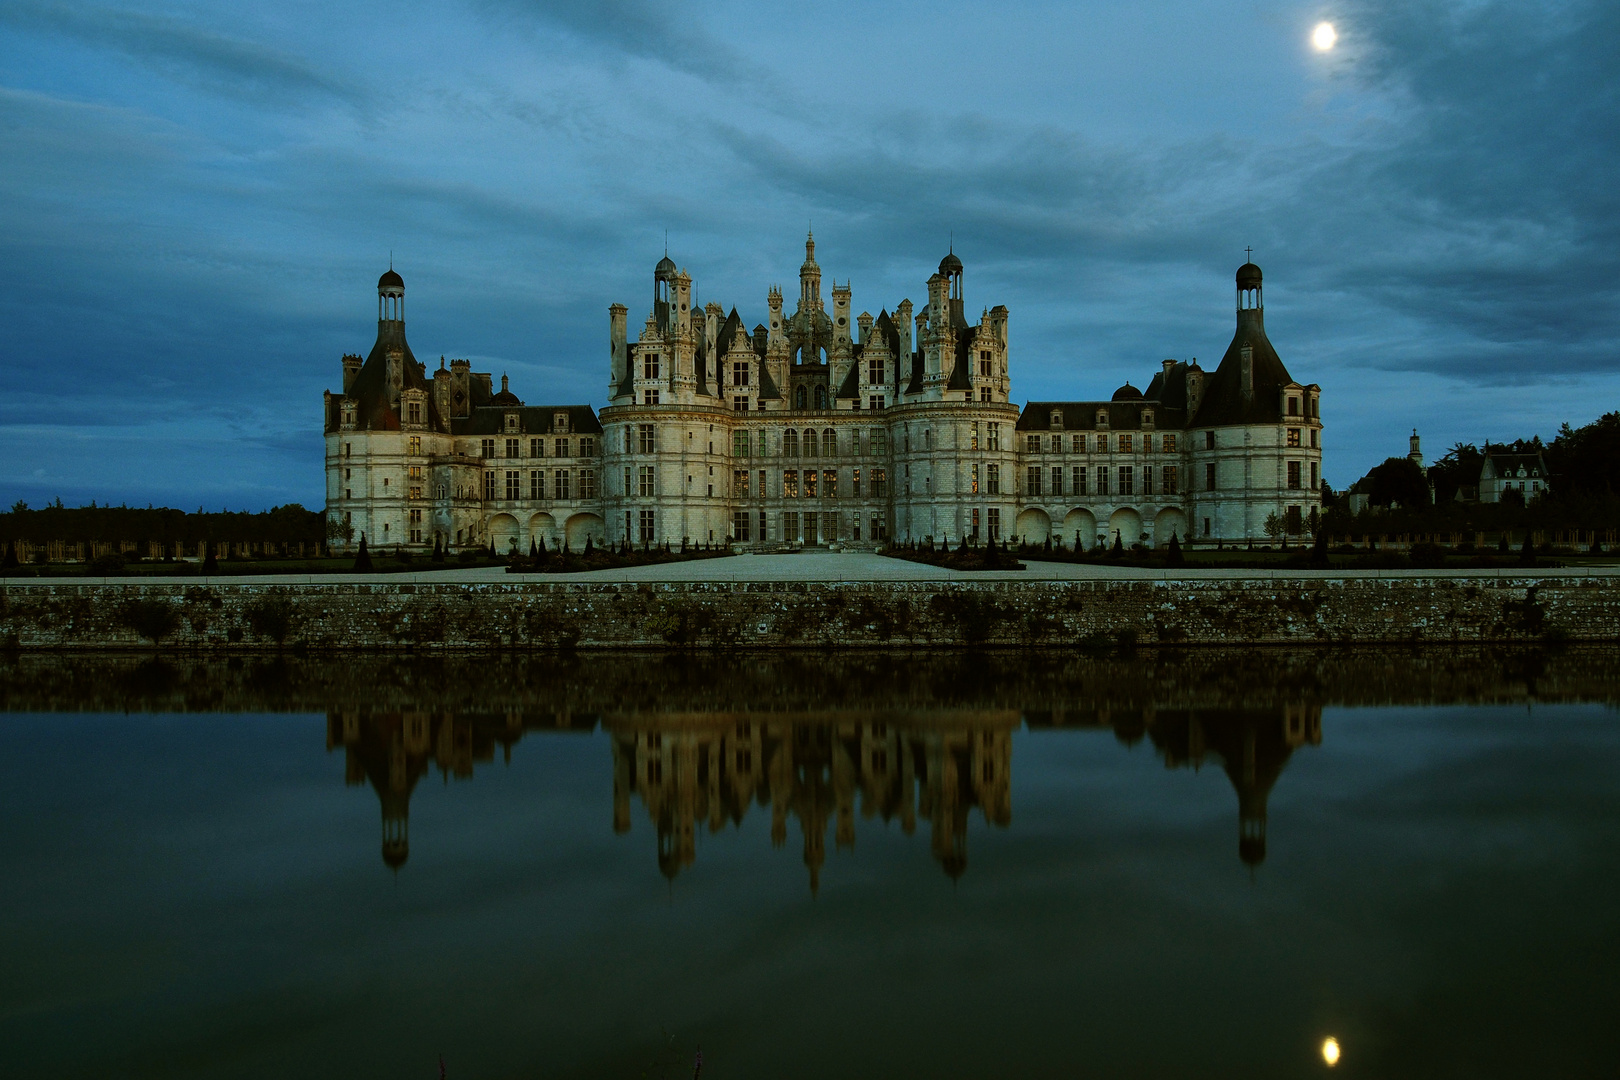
665, 270
950, 264
505, 397
1248, 287
390, 297
1127, 393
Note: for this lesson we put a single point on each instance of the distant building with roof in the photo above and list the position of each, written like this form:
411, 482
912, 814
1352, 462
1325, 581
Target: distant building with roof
820, 427
1501, 472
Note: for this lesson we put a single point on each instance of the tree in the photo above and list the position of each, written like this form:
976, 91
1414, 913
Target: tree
1273, 525
1398, 481
1458, 469
1172, 553
210, 564
1527, 551
362, 558
339, 529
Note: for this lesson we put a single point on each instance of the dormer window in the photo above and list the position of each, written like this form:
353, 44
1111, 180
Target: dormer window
1293, 406
559, 423
1057, 420
413, 412
511, 421
1102, 418
1147, 418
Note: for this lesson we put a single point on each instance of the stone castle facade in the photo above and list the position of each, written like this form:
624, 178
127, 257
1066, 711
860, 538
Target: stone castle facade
819, 427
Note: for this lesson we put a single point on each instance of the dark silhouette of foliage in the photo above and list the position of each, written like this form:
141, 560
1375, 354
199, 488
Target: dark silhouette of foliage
362, 558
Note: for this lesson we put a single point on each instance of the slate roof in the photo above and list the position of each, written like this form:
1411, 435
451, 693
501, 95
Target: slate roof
370, 387
1225, 399
1082, 415
532, 420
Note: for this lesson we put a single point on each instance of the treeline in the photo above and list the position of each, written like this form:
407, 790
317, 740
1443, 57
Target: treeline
1583, 466
290, 524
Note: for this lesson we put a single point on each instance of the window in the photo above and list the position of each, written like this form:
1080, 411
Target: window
973, 528
1055, 422
880, 479
587, 446
487, 448
646, 440
1293, 406
739, 483
739, 524
1127, 480
1314, 484
1077, 443
928, 439
1168, 477
1169, 444
809, 483
874, 370
984, 393
561, 447
973, 480
1124, 442
801, 398
414, 413
790, 443
511, 448
587, 483
1102, 480
415, 445
829, 483
644, 481
414, 472
973, 436
984, 365
1077, 480
1057, 444
649, 366
1293, 474
415, 493
649, 397
878, 444
739, 373
489, 486
992, 479
879, 528
739, 404
829, 443
790, 484
1147, 480
1293, 436
514, 485
1313, 438
626, 491
994, 521
537, 484
762, 495
1032, 443
740, 444
1209, 440
1033, 477
1209, 476
348, 449
875, 402
821, 397
1057, 479
645, 526
537, 447
855, 486
1206, 526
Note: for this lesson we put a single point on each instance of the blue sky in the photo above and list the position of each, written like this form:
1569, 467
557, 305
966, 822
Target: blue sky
196, 200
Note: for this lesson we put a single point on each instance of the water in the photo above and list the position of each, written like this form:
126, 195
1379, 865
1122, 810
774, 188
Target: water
1185, 864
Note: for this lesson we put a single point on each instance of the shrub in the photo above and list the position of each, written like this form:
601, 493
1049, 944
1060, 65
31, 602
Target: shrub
154, 620
108, 562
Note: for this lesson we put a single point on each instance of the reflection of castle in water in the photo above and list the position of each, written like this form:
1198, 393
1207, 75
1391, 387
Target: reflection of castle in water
815, 771
708, 769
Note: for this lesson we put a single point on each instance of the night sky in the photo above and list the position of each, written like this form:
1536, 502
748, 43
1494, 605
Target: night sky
196, 200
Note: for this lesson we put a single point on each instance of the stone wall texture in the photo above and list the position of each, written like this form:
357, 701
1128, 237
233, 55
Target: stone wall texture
533, 614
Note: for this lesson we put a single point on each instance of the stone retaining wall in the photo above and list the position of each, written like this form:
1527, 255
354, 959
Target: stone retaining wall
533, 614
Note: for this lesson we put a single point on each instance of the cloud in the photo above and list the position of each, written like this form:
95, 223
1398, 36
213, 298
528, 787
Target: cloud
665, 35
185, 51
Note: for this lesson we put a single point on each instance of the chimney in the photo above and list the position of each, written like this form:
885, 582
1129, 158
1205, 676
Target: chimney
351, 371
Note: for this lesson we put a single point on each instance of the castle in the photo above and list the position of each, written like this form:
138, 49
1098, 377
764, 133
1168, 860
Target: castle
819, 427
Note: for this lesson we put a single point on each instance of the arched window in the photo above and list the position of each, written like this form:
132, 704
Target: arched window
809, 442
821, 397
829, 443
801, 398
790, 440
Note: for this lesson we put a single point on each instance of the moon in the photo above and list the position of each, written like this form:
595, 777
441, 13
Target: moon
1324, 37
